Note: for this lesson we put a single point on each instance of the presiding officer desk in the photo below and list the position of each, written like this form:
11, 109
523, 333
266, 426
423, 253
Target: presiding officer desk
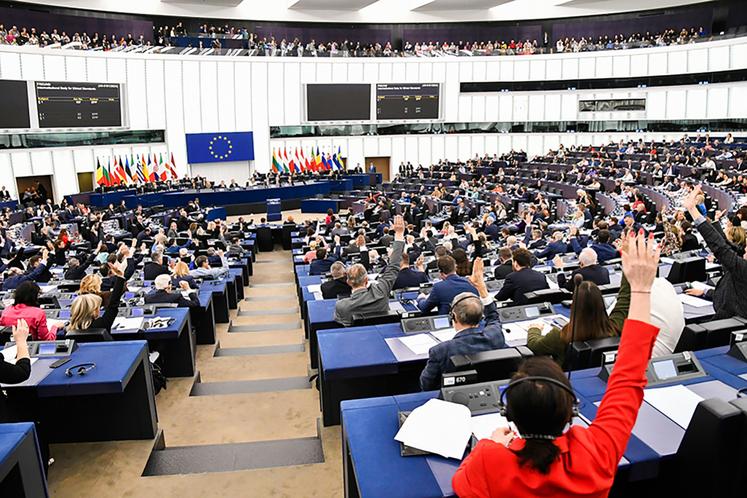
370, 451
21, 468
113, 401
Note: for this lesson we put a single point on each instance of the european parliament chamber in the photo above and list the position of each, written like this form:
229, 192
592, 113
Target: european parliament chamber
373, 248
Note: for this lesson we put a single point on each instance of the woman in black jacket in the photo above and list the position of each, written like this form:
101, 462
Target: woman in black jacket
14, 374
85, 310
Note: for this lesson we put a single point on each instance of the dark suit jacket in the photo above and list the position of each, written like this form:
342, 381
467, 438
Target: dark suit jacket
519, 282
409, 277
552, 250
161, 296
594, 273
443, 293
466, 341
502, 270
690, 242
151, 270
331, 289
321, 266
79, 271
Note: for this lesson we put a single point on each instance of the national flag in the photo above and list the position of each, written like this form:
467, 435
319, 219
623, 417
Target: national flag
145, 169
119, 169
99, 173
337, 159
138, 167
107, 176
171, 166
164, 170
291, 161
318, 159
151, 168
275, 164
299, 160
309, 164
128, 171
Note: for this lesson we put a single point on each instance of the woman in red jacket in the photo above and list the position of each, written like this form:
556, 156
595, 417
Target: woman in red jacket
543, 460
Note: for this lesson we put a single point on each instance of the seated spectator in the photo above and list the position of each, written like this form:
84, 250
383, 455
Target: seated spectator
337, 286
506, 264
26, 307
311, 253
588, 320
467, 311
555, 247
689, 240
522, 280
35, 270
374, 297
549, 456
668, 314
76, 269
155, 266
181, 274
461, 261
730, 294
589, 269
442, 294
164, 293
322, 263
605, 251
409, 277
86, 308
205, 271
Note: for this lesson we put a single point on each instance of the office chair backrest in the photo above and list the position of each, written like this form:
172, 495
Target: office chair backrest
711, 334
375, 318
553, 296
496, 364
89, 335
688, 270
588, 354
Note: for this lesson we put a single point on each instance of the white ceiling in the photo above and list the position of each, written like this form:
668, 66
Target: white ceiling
370, 11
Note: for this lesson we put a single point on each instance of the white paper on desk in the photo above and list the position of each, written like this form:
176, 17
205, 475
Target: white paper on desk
47, 288
667, 261
676, 402
437, 427
318, 296
9, 354
418, 343
700, 286
483, 426
133, 323
315, 288
693, 301
444, 335
133, 288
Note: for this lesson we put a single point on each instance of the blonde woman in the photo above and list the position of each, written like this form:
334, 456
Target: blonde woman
181, 274
86, 308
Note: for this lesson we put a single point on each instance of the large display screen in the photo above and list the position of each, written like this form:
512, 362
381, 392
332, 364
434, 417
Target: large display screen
14, 101
407, 101
338, 102
74, 105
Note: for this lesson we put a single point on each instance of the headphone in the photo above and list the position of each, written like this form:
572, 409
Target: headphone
503, 409
81, 369
463, 298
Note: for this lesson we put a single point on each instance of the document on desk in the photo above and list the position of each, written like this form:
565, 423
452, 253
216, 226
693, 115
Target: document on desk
134, 323
438, 427
45, 289
483, 426
315, 288
700, 286
418, 343
693, 301
9, 354
444, 335
678, 402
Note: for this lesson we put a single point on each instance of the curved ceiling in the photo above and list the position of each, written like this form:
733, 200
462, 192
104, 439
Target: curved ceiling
370, 11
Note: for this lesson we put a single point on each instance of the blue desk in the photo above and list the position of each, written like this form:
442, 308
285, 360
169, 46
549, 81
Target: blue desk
203, 318
216, 213
114, 401
370, 452
21, 467
9, 204
320, 205
220, 298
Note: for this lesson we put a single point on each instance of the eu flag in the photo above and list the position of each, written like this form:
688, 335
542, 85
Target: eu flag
220, 147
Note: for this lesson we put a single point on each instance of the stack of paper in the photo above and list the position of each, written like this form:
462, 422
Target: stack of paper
676, 402
437, 427
134, 323
483, 426
418, 343
444, 335
9, 354
693, 301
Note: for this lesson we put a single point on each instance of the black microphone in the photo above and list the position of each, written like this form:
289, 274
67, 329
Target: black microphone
577, 279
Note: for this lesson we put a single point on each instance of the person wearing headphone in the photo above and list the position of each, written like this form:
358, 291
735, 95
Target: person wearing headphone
466, 312
545, 459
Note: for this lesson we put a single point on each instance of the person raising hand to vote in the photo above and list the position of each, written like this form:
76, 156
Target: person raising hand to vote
545, 459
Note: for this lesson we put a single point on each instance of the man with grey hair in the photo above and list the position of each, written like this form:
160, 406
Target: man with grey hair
164, 293
374, 297
466, 312
589, 269
338, 285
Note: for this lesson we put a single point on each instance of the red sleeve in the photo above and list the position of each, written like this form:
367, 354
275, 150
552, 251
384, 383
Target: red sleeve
471, 478
618, 411
42, 331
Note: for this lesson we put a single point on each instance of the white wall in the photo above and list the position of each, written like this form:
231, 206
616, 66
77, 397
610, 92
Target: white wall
223, 94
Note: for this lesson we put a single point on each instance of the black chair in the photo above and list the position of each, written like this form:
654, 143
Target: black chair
588, 354
287, 229
89, 335
708, 334
554, 296
496, 364
375, 318
264, 239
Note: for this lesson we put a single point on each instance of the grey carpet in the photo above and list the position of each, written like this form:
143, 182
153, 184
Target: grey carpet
274, 311
265, 328
249, 386
284, 348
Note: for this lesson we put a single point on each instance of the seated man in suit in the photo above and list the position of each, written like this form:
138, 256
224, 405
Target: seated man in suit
374, 297
164, 293
322, 263
466, 312
506, 265
605, 251
409, 277
443, 292
590, 269
155, 266
205, 271
522, 280
337, 286
555, 247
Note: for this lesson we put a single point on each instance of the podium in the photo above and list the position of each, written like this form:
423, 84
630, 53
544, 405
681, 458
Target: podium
274, 210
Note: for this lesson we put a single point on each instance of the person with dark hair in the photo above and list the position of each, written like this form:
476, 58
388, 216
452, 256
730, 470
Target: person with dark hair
467, 311
522, 280
322, 263
505, 265
605, 251
689, 240
462, 262
26, 307
442, 294
410, 277
542, 459
17, 276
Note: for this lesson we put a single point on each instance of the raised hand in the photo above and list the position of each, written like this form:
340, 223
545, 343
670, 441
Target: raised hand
399, 227
20, 331
557, 261
640, 260
478, 277
690, 202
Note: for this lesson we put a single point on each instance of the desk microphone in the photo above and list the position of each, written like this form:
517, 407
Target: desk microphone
577, 280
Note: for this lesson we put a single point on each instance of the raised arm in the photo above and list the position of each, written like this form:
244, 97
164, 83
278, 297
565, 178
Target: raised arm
618, 411
386, 279
492, 326
110, 313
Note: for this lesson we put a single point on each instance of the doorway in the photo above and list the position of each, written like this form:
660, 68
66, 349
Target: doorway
381, 164
41, 184
85, 182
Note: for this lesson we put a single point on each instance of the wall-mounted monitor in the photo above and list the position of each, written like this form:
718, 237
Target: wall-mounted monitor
338, 102
62, 104
14, 102
407, 101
